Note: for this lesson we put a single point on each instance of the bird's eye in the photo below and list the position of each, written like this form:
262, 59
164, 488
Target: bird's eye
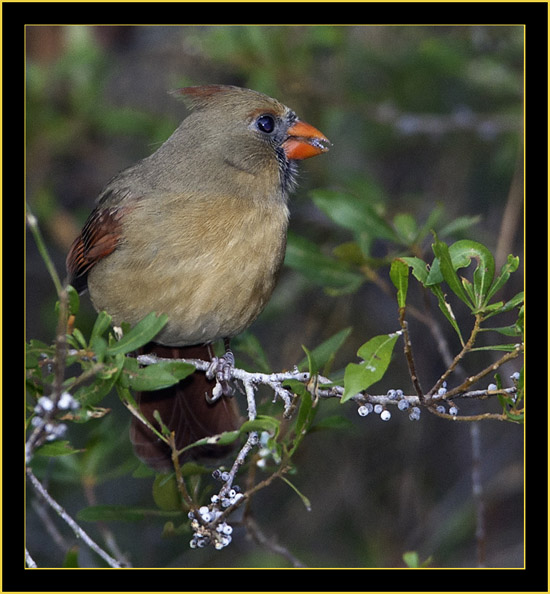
266, 123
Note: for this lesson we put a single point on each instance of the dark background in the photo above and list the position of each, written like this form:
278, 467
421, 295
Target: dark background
425, 115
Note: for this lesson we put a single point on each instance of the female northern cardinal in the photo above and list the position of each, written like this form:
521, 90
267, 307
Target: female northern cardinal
196, 231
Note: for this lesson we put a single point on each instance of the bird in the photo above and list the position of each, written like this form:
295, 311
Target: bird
196, 231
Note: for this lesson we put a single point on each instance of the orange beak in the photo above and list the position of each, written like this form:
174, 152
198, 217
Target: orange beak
304, 141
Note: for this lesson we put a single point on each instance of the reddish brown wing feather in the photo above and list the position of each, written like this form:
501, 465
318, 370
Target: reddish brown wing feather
99, 237
185, 410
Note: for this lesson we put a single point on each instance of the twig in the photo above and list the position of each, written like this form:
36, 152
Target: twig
239, 461
60, 345
326, 389
465, 349
41, 511
260, 538
182, 487
41, 245
107, 534
79, 532
409, 355
282, 469
477, 492
480, 417
493, 367
209, 521
250, 400
29, 560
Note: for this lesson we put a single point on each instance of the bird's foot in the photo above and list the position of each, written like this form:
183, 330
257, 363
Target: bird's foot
221, 369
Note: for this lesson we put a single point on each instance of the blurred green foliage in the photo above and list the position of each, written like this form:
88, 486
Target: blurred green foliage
426, 125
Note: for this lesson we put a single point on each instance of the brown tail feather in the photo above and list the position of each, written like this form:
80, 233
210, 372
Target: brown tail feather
185, 410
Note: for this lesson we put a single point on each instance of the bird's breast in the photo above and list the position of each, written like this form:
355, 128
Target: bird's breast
210, 266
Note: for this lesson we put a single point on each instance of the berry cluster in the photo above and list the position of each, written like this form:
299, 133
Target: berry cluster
440, 408
43, 410
205, 522
380, 409
403, 404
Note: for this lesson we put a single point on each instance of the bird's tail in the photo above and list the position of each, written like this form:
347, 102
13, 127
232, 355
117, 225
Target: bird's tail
185, 409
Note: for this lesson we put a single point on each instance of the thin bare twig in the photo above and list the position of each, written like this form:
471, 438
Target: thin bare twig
29, 560
182, 487
477, 492
469, 381
409, 355
79, 532
465, 349
260, 538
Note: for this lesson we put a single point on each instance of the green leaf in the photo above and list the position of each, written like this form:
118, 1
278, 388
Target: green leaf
459, 224
405, 226
431, 222
248, 344
515, 329
484, 272
516, 301
306, 257
511, 265
165, 492
459, 255
295, 386
412, 560
512, 330
312, 364
376, 355
305, 417
516, 417
496, 347
73, 299
159, 375
99, 346
443, 268
36, 350
80, 339
102, 323
194, 469
419, 268
353, 213
305, 500
163, 428
94, 393
399, 275
140, 334
325, 352
356, 378
224, 438
469, 288
56, 448
262, 423
351, 253
71, 558
446, 310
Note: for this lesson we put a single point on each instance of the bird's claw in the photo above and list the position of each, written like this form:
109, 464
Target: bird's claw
221, 369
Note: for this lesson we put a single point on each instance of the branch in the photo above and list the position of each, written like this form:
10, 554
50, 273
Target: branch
465, 349
408, 353
367, 403
208, 522
519, 348
79, 532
